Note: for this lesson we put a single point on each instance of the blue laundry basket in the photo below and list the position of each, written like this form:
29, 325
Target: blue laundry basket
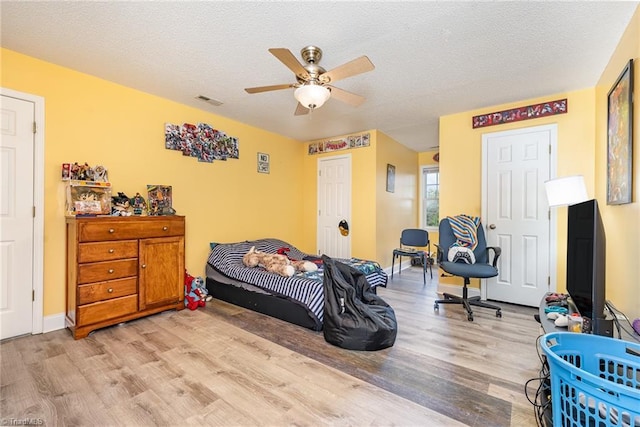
595, 380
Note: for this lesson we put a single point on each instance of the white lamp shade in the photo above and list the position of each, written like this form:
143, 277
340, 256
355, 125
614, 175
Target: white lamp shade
312, 96
567, 190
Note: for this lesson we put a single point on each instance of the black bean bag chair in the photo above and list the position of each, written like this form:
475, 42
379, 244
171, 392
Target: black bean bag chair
355, 317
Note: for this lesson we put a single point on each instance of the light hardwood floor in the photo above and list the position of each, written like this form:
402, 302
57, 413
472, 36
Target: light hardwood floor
227, 366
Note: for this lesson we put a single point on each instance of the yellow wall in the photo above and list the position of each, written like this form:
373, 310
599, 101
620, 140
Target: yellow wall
622, 222
582, 140
93, 120
398, 210
461, 156
377, 217
361, 224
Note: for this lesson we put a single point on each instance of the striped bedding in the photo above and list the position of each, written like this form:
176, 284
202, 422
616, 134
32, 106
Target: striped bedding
306, 288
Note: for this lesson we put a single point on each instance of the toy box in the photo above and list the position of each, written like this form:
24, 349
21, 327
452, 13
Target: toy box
88, 198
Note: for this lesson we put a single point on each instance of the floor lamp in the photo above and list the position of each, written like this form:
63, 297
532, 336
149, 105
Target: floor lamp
566, 190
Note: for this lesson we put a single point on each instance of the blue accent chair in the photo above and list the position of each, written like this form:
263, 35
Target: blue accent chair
410, 240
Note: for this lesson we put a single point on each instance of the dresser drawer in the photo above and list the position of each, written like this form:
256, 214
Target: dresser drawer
109, 270
130, 229
107, 290
105, 310
106, 251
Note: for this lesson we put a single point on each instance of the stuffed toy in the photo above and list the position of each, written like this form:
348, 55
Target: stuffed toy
276, 263
285, 251
195, 292
200, 288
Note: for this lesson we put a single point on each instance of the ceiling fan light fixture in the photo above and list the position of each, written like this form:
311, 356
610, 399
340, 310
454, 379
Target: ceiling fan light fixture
312, 96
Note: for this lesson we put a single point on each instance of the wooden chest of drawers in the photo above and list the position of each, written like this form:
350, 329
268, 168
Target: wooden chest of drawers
122, 268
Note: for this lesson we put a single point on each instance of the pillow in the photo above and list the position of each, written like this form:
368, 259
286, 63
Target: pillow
461, 254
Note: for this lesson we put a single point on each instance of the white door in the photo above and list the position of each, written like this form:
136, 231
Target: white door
334, 206
16, 216
516, 213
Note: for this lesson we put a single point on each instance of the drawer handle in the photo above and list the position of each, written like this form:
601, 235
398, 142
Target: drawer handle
110, 270
111, 251
111, 230
144, 265
110, 290
165, 228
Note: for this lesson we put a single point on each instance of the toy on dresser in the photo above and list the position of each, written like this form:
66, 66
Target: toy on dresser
138, 204
120, 205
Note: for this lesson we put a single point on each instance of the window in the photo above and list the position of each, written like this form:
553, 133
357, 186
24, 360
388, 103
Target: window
430, 197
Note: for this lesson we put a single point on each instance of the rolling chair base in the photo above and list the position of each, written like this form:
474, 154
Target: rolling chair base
467, 303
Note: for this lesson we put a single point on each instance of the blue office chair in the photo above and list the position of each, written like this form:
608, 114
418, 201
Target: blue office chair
410, 240
481, 269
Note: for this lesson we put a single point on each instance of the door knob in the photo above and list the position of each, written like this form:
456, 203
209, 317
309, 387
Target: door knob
492, 226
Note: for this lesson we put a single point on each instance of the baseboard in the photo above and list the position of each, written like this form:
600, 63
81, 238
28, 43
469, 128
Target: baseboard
403, 266
53, 323
456, 290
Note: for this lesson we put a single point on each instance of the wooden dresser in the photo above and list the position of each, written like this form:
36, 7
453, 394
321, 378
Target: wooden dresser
122, 268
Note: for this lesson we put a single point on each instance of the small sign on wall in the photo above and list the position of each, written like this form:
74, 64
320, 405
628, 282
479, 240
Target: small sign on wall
263, 163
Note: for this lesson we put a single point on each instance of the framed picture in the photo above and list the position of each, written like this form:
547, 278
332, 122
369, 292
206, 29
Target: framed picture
160, 200
620, 138
263, 163
391, 178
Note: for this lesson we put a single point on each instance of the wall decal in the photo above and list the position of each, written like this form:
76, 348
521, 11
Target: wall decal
534, 111
351, 141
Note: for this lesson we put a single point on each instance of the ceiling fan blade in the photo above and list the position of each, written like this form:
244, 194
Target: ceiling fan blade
286, 57
351, 68
268, 88
301, 110
346, 97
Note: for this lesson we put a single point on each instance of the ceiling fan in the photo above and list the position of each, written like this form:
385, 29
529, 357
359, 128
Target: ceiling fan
313, 82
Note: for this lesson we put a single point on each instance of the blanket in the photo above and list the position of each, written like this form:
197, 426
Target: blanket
465, 229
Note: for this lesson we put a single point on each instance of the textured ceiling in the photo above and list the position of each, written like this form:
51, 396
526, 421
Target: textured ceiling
431, 58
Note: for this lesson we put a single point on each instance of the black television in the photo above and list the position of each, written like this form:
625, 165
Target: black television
586, 262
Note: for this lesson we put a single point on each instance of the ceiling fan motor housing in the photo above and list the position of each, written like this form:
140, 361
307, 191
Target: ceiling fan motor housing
311, 54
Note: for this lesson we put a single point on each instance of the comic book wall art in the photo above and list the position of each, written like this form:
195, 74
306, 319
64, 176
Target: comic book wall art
201, 141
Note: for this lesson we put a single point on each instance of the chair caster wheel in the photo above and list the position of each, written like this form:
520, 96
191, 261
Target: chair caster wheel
499, 313
436, 307
470, 317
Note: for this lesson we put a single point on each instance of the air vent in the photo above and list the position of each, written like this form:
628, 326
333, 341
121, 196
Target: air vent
209, 100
